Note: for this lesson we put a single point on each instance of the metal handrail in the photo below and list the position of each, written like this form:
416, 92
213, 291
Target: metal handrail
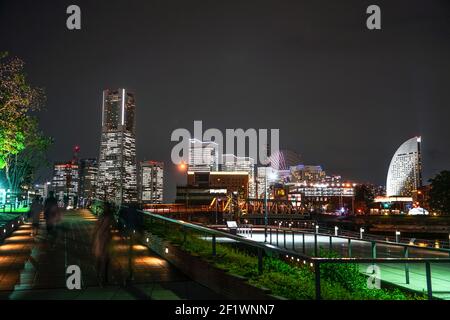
291, 252
227, 235
315, 262
379, 237
391, 243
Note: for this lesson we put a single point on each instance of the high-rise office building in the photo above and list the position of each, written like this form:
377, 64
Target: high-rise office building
203, 156
65, 183
151, 181
88, 181
117, 162
232, 163
404, 175
266, 176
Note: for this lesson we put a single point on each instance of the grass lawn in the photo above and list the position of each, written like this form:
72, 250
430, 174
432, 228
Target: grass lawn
18, 210
5, 217
21, 210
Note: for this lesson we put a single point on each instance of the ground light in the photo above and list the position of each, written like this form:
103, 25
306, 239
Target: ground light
336, 230
361, 231
397, 236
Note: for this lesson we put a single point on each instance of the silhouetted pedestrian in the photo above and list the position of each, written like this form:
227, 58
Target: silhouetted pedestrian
102, 242
51, 213
35, 214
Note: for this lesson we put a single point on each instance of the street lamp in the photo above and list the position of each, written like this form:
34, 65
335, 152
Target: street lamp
183, 168
272, 177
217, 209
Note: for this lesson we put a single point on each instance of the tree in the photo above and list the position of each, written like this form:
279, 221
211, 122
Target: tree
17, 98
22, 144
363, 197
21, 166
440, 193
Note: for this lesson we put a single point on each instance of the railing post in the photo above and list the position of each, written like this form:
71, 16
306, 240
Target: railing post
303, 243
317, 279
406, 255
270, 232
374, 250
349, 247
277, 236
330, 248
315, 245
260, 260
293, 240
284, 238
214, 245
428, 276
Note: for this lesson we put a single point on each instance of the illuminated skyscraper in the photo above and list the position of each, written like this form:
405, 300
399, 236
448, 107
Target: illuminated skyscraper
88, 181
203, 156
151, 181
65, 183
232, 163
266, 176
117, 161
404, 175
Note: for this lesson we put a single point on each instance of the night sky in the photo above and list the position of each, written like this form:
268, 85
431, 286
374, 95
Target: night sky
341, 95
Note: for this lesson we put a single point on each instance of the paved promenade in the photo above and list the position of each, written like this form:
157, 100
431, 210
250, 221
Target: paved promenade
34, 268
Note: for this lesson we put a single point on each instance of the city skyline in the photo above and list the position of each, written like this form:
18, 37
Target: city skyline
279, 159
302, 67
225, 151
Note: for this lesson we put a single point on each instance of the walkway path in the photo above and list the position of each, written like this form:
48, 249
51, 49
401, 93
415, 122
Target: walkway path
33, 268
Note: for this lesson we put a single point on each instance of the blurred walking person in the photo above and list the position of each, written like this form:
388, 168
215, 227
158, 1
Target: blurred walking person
51, 214
102, 243
35, 214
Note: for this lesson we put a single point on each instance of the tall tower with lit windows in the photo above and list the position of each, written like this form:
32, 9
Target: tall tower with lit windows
116, 180
405, 170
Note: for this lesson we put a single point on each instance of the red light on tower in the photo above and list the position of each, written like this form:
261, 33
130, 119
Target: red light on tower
76, 149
